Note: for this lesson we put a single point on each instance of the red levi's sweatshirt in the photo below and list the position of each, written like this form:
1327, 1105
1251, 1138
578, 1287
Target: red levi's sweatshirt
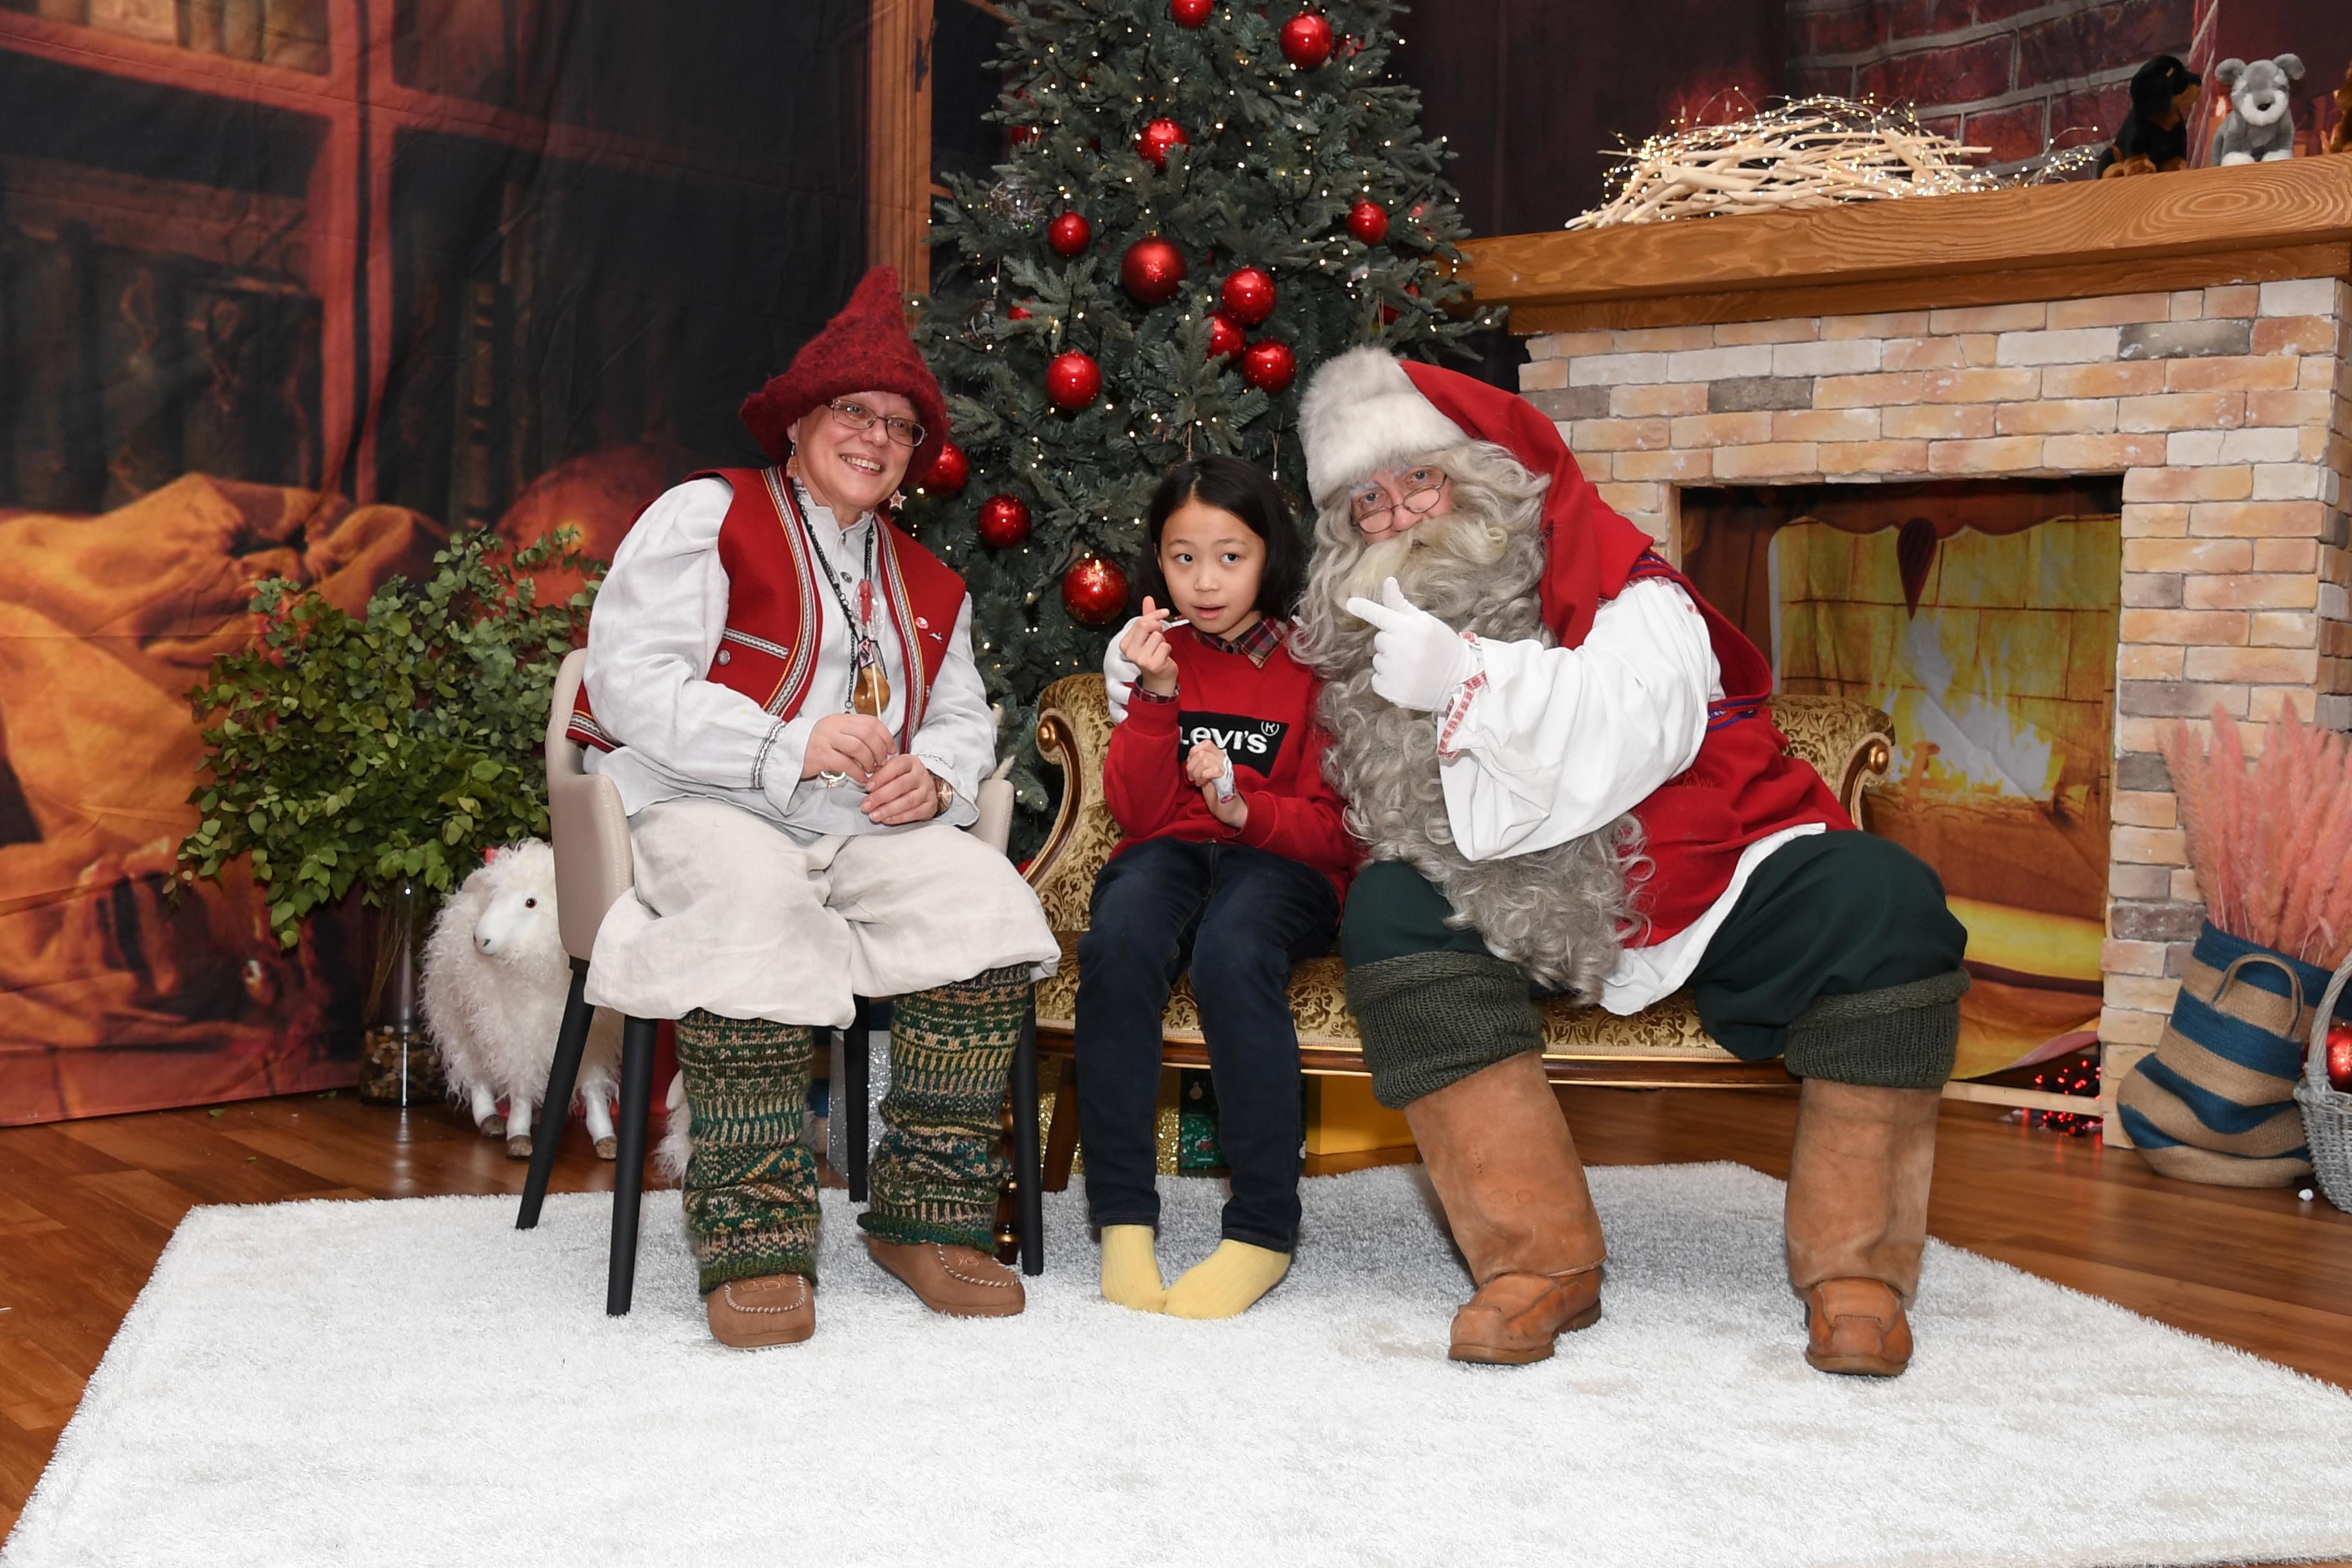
1257, 702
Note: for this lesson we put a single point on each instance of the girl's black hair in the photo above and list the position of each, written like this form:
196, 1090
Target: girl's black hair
1243, 489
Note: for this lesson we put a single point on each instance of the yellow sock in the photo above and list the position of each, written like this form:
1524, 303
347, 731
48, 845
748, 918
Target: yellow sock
1131, 1270
1227, 1282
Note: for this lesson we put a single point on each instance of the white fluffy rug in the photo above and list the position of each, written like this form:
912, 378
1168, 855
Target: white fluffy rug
417, 1383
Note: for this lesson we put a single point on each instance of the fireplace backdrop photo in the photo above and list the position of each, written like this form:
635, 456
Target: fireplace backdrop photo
294, 287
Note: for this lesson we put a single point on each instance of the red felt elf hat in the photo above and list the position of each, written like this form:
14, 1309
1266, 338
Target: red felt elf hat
1366, 411
866, 348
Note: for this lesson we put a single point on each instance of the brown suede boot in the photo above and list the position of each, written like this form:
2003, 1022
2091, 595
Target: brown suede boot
1504, 1167
1857, 1220
773, 1310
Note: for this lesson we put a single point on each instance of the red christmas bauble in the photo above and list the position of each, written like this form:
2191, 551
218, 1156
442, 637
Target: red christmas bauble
1003, 521
1191, 12
1226, 338
1369, 221
1021, 135
1073, 380
1069, 234
1157, 138
1151, 270
1248, 296
1307, 40
1269, 366
1017, 312
2339, 1058
948, 470
1094, 591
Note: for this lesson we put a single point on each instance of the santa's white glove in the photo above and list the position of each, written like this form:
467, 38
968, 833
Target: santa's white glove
1417, 659
1119, 674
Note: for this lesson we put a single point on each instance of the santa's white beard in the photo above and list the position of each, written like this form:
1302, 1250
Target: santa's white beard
1560, 913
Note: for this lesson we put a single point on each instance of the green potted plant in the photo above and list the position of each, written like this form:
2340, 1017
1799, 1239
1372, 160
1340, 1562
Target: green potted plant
386, 753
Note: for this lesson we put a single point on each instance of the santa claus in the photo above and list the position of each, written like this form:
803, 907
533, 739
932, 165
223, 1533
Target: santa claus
1562, 761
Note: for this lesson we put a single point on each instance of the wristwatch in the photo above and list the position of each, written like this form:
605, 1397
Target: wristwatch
944, 793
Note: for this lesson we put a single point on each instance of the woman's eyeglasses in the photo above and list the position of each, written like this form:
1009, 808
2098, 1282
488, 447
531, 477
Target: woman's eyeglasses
1420, 490
856, 416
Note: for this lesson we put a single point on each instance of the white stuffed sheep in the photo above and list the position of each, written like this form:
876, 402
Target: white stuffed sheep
496, 976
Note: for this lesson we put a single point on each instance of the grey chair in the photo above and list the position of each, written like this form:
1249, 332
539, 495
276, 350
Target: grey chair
594, 869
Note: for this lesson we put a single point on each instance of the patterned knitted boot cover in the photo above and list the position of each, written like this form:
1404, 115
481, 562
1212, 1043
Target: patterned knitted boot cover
751, 1186
936, 1169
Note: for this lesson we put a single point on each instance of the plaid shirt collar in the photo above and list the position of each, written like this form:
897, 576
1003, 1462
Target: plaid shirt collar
1256, 645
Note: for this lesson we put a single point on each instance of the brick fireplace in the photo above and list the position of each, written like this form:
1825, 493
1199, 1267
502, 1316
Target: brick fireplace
2186, 338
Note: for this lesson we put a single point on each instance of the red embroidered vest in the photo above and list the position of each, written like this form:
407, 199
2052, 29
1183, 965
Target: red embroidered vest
767, 651
1745, 786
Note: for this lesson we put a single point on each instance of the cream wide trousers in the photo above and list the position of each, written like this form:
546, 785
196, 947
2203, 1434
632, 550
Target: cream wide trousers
733, 914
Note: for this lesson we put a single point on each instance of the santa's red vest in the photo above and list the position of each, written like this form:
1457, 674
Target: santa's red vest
767, 651
1745, 786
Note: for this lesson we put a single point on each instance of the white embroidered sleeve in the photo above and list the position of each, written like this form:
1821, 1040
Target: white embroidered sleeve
1544, 744
957, 739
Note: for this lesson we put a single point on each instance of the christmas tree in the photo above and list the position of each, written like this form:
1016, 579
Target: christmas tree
1202, 201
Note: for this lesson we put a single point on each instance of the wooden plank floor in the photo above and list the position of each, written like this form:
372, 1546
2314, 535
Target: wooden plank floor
85, 1208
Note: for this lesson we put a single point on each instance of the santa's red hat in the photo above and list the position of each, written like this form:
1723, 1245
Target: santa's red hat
1366, 411
866, 348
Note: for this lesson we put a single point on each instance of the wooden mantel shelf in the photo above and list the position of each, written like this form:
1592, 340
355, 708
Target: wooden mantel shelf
2193, 230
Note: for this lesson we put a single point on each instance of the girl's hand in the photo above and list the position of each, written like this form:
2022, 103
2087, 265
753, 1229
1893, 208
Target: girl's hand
1234, 812
1146, 645
1204, 764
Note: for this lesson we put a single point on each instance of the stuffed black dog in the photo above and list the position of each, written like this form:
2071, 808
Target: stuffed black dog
2155, 134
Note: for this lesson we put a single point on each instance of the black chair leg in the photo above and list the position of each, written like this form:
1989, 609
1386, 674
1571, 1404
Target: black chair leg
629, 1161
1028, 1158
570, 1039
857, 1077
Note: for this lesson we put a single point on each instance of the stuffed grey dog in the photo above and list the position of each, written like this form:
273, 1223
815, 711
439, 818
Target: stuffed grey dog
2261, 127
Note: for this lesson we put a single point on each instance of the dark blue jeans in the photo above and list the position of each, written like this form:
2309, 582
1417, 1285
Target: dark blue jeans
1241, 917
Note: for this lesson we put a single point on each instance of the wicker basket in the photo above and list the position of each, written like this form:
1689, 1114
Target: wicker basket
2327, 1112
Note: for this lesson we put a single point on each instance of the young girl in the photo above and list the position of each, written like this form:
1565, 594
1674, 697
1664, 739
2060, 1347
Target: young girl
1234, 859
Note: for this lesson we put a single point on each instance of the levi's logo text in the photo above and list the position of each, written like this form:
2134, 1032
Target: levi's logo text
1252, 743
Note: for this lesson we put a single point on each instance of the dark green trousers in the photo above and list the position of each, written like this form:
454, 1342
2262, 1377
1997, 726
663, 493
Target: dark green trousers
1839, 956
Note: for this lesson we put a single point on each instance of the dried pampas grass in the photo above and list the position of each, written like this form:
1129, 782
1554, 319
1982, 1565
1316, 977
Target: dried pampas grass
2269, 839
1812, 152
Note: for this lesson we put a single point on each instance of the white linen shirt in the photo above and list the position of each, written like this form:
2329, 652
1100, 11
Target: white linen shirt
655, 630
1545, 744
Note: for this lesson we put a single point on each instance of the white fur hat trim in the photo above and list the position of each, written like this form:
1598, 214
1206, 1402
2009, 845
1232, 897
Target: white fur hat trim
1361, 414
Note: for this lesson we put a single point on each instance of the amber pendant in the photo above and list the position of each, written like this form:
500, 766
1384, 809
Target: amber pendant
871, 694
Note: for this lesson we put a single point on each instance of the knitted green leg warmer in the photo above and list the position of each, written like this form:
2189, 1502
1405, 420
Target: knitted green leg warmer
1902, 1036
937, 1168
751, 1186
1430, 1019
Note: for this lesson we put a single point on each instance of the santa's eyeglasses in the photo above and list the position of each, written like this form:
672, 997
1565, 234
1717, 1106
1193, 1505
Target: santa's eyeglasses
1415, 489
856, 416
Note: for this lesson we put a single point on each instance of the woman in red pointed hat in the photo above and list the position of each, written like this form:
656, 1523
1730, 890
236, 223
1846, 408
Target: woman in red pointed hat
782, 685
1561, 758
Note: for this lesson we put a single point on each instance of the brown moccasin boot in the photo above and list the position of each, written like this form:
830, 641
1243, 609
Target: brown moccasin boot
1857, 1220
960, 1281
773, 1310
1505, 1168
1856, 1327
